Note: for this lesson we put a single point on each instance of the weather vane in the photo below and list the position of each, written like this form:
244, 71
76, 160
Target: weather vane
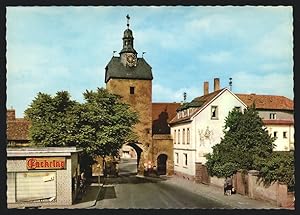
128, 17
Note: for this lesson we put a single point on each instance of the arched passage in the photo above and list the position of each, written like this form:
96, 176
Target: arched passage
130, 157
138, 151
162, 164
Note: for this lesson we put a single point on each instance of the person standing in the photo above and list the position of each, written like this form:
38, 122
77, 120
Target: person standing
228, 186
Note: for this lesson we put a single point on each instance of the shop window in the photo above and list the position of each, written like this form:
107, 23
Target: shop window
35, 186
11, 187
214, 112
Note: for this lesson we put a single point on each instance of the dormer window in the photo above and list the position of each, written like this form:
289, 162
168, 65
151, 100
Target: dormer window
272, 115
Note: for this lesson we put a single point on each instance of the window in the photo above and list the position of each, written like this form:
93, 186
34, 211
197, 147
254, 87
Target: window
275, 133
185, 162
284, 134
178, 136
214, 112
188, 136
183, 136
31, 187
272, 115
238, 108
176, 158
174, 138
131, 90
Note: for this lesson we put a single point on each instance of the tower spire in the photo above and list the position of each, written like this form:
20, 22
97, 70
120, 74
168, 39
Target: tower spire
128, 39
128, 18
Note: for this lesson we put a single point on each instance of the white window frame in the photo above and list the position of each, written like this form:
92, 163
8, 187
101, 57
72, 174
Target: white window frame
185, 160
214, 109
272, 116
188, 136
174, 138
176, 158
284, 135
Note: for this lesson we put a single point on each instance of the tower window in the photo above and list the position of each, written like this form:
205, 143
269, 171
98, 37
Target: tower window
131, 90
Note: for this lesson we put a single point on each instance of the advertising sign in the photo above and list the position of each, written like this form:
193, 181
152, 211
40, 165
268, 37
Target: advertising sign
46, 163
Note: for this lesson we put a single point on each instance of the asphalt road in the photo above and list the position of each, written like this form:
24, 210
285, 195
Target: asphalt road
129, 191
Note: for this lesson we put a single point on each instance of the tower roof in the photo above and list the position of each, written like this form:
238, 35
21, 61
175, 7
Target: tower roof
115, 69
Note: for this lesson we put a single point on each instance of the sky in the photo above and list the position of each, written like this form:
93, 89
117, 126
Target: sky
51, 49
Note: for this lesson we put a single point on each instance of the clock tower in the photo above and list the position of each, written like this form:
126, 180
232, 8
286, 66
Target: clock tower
131, 77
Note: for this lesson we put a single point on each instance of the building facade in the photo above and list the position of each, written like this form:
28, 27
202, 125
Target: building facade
42, 176
277, 113
198, 126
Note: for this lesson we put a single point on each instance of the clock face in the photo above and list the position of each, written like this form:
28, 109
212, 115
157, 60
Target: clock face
131, 59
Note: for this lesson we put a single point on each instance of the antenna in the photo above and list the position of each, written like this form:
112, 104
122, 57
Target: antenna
230, 84
128, 17
114, 53
143, 54
184, 96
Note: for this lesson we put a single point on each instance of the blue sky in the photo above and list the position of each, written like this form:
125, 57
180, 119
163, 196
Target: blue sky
51, 49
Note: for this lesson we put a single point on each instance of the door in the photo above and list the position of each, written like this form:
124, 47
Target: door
162, 164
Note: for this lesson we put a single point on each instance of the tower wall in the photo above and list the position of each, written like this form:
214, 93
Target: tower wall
141, 102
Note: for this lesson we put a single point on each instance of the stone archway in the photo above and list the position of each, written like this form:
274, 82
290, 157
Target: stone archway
139, 151
162, 164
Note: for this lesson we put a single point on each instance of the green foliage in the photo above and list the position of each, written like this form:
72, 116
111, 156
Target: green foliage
245, 138
278, 167
99, 126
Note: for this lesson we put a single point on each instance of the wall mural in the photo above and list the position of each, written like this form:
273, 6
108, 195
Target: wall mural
205, 136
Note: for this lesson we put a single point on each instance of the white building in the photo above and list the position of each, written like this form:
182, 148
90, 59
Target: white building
199, 125
277, 113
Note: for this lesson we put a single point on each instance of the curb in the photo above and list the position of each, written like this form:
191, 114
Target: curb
100, 188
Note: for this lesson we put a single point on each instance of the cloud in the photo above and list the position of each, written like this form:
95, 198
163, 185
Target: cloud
272, 84
167, 94
217, 57
276, 44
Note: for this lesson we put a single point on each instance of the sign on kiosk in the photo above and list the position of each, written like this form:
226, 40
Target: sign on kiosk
46, 163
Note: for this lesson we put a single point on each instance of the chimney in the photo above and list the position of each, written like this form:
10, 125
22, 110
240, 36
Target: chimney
216, 84
11, 114
205, 86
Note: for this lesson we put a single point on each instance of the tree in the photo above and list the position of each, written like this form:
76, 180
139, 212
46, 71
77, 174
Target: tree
245, 140
100, 125
278, 167
50, 117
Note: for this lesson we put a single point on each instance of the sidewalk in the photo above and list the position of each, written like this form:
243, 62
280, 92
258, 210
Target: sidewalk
88, 200
236, 201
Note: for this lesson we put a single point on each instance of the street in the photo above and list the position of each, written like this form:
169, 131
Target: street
131, 191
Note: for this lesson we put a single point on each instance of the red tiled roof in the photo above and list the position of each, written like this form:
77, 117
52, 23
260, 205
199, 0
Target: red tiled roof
278, 122
17, 129
162, 113
267, 101
198, 102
